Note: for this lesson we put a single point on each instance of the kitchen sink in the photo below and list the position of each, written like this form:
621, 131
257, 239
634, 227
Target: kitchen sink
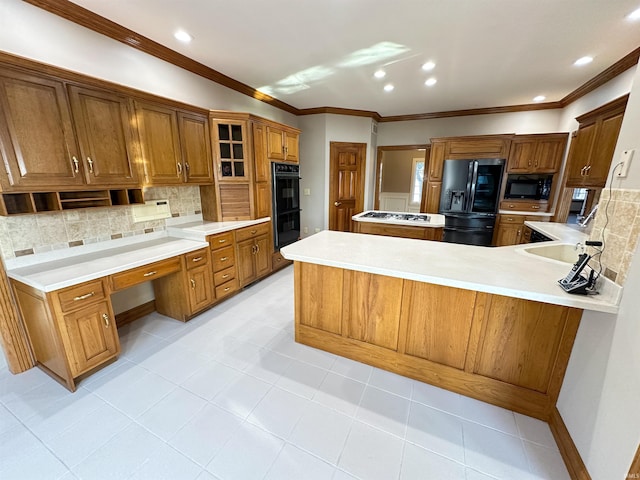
562, 252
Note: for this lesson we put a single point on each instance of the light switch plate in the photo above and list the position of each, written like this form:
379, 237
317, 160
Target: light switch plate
306, 191
625, 159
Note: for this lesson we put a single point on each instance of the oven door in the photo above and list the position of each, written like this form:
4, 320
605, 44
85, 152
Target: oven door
287, 228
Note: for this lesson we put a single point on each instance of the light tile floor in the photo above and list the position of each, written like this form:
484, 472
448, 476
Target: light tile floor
230, 396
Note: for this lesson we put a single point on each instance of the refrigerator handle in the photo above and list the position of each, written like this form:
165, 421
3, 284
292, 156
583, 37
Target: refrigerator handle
473, 177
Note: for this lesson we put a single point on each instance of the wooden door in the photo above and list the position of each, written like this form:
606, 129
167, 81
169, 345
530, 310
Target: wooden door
196, 148
262, 166
346, 187
548, 156
521, 157
581, 147
201, 291
262, 197
508, 234
603, 148
246, 262
436, 161
230, 150
103, 125
92, 335
36, 129
432, 197
275, 143
262, 255
291, 147
160, 142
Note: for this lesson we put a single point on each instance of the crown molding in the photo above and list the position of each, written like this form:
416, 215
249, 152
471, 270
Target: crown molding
99, 24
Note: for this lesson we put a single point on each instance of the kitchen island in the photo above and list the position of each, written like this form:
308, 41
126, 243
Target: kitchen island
490, 323
400, 224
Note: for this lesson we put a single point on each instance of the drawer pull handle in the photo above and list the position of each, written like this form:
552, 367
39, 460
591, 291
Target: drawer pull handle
193, 283
253, 232
224, 259
148, 274
105, 317
197, 259
227, 289
90, 162
535, 207
75, 165
83, 297
226, 275
224, 240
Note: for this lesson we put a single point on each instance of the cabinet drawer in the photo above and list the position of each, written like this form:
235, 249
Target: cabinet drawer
224, 276
78, 296
524, 206
505, 218
226, 288
145, 273
220, 240
223, 258
278, 261
197, 258
252, 231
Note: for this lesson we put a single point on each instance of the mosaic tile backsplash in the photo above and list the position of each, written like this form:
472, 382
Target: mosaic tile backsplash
28, 234
619, 215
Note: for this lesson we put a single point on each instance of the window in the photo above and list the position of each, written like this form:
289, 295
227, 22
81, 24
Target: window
579, 194
417, 176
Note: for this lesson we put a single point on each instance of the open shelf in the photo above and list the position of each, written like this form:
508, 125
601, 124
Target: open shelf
38, 202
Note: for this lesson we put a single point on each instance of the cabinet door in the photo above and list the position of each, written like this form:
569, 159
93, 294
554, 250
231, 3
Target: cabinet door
246, 263
262, 199
548, 157
229, 143
275, 143
37, 133
262, 255
581, 147
261, 161
201, 290
521, 157
291, 147
436, 161
160, 142
432, 198
93, 337
196, 148
103, 125
508, 234
603, 148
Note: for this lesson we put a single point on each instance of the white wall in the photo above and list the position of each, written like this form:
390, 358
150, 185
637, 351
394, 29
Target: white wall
599, 397
31, 32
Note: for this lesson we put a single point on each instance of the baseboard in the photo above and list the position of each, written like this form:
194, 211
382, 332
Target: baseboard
570, 455
135, 313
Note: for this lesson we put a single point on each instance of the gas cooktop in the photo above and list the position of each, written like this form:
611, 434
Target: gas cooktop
411, 217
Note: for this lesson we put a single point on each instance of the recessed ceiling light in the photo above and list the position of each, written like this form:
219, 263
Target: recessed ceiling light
427, 67
583, 61
388, 87
379, 74
431, 82
183, 36
635, 15
539, 98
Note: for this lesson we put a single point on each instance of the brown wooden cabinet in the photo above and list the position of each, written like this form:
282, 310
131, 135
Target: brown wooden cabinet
510, 229
531, 154
175, 145
231, 142
254, 250
524, 205
103, 123
594, 144
282, 145
432, 197
404, 231
223, 256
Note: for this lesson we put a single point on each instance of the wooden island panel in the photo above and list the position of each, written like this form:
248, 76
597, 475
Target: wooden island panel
506, 351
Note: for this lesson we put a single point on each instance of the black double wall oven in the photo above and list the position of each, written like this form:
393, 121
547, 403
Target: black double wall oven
286, 203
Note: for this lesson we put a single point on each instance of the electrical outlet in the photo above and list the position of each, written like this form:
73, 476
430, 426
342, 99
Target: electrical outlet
305, 230
317, 230
306, 192
625, 159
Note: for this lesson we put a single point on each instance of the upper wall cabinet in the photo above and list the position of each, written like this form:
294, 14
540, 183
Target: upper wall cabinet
592, 147
282, 145
51, 142
536, 153
103, 125
175, 145
230, 140
38, 140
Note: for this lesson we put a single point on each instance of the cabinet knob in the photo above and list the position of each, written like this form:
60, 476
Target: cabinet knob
179, 168
193, 283
105, 318
90, 162
588, 168
76, 164
186, 168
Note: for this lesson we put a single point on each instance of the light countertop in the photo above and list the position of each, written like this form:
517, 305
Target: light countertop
199, 230
508, 271
560, 231
435, 220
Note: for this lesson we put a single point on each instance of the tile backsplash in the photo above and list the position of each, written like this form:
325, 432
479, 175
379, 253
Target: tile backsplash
28, 234
619, 215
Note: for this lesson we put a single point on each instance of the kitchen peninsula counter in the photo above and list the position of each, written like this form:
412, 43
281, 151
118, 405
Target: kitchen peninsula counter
489, 323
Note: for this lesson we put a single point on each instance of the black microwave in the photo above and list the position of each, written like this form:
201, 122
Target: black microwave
533, 188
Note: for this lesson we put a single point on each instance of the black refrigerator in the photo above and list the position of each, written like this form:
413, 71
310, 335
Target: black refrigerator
469, 199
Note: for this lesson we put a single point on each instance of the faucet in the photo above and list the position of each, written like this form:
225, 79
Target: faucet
585, 221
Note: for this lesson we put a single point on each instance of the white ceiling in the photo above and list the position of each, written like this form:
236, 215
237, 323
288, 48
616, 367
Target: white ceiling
313, 53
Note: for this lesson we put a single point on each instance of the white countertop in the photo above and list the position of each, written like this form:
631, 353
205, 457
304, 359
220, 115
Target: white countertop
435, 220
199, 230
508, 271
64, 272
560, 231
